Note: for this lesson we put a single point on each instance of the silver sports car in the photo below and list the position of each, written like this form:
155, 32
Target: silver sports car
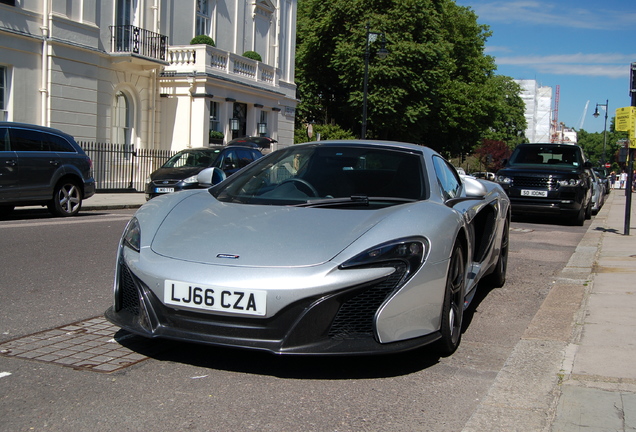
332, 247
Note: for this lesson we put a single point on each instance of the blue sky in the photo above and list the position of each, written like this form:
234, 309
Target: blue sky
584, 46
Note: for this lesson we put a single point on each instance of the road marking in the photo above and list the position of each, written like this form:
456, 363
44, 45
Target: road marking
23, 224
4, 374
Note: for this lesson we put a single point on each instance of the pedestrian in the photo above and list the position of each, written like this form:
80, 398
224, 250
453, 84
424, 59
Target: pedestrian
634, 181
623, 179
612, 180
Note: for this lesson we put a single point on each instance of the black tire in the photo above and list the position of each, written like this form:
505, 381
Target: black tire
67, 199
497, 278
453, 308
588, 210
579, 220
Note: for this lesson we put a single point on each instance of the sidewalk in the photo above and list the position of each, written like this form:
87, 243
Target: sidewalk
111, 201
574, 369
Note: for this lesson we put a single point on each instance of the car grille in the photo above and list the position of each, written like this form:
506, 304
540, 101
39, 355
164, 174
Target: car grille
128, 294
535, 182
162, 183
354, 319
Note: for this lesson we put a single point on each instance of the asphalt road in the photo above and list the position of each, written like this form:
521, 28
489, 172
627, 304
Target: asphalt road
59, 271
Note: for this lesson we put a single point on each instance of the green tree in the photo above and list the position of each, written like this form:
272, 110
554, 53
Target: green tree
592, 144
436, 87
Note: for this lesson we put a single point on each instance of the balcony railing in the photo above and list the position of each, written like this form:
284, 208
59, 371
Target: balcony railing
135, 40
199, 58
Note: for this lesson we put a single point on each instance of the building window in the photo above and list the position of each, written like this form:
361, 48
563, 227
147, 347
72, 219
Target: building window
203, 18
122, 123
214, 116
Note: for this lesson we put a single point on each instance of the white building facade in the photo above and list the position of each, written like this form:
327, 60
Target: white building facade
124, 72
538, 113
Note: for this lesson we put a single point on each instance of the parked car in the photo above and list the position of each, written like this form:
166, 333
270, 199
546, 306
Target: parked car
604, 176
42, 166
598, 193
332, 247
549, 179
181, 170
484, 175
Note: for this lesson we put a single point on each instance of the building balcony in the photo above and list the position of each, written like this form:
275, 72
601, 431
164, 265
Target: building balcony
189, 59
137, 44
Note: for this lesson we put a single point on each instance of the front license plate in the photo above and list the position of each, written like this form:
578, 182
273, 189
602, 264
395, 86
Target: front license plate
238, 301
164, 190
534, 193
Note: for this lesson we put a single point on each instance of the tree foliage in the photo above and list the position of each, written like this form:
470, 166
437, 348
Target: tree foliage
592, 144
436, 87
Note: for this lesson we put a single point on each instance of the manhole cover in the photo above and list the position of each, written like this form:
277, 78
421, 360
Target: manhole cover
93, 344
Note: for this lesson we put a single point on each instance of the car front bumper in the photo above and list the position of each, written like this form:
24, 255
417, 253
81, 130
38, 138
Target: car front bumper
341, 322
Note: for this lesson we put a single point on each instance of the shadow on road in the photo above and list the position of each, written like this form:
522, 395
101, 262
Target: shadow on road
295, 367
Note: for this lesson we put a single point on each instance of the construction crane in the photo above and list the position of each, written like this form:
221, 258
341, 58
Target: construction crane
584, 114
555, 117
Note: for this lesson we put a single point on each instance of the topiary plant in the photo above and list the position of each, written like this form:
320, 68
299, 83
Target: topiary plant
253, 55
202, 39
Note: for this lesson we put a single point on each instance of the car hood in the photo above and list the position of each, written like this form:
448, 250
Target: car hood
175, 173
202, 229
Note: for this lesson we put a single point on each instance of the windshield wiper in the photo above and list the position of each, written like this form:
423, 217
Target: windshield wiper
362, 200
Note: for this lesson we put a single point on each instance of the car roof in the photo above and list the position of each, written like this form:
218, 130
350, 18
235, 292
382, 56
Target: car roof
34, 127
396, 145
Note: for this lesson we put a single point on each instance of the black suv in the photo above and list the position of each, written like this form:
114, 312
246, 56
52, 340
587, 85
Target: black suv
549, 179
181, 170
42, 166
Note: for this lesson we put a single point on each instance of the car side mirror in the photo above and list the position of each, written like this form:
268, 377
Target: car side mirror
473, 190
210, 176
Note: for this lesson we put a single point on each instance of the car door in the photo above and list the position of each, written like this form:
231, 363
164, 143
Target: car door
37, 163
8, 169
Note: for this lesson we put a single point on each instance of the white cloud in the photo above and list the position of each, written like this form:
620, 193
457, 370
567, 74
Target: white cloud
538, 12
610, 65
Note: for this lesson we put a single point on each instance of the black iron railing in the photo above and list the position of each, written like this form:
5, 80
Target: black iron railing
131, 39
121, 166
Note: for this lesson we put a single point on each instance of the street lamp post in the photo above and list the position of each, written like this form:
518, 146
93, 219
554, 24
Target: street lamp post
596, 114
382, 52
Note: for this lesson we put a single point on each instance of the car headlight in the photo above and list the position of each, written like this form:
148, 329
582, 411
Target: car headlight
411, 251
191, 179
132, 235
570, 182
504, 180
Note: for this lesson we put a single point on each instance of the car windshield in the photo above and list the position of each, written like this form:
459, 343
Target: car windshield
537, 154
328, 175
192, 158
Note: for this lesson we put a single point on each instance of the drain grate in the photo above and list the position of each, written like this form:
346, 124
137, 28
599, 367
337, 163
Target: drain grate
93, 344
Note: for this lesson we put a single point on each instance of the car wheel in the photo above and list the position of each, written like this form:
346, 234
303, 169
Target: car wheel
67, 199
579, 220
453, 309
498, 278
588, 210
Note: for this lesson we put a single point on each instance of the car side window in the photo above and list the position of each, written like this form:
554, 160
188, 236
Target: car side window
5, 145
29, 141
59, 144
447, 178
